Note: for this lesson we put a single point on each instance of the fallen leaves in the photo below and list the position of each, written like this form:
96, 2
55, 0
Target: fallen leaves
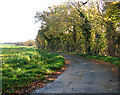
58, 73
113, 69
63, 68
51, 79
64, 58
67, 62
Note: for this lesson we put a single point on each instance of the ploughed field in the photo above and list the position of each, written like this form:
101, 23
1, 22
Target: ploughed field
24, 65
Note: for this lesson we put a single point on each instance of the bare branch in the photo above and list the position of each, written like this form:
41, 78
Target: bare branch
84, 2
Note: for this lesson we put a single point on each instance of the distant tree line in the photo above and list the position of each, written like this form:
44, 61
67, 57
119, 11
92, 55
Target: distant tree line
26, 43
7, 43
77, 27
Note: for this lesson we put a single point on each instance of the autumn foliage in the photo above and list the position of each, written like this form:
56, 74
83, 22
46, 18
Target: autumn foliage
86, 29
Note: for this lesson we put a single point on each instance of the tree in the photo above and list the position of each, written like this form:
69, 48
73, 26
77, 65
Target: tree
76, 27
29, 43
113, 16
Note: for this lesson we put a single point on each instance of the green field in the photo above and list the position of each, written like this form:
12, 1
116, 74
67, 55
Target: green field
7, 45
24, 65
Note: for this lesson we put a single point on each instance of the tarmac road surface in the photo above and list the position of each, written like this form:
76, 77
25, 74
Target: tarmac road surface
82, 76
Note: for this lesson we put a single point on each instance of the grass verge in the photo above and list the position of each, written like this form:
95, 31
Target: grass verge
23, 66
112, 60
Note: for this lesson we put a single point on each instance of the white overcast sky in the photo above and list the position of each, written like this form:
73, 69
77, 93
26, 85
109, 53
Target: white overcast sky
17, 18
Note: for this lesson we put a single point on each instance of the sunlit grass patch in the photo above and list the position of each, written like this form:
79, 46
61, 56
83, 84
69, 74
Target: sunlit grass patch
24, 65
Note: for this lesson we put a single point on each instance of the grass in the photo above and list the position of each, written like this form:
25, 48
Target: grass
24, 65
7, 45
113, 60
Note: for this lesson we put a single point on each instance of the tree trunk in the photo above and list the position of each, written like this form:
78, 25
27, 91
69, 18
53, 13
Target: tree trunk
111, 38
